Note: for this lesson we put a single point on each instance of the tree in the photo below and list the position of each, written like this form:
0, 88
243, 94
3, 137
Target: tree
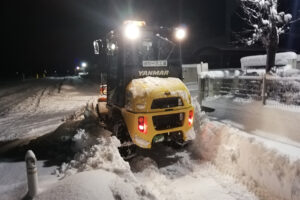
265, 25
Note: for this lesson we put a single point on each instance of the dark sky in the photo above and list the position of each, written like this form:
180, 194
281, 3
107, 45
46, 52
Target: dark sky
58, 34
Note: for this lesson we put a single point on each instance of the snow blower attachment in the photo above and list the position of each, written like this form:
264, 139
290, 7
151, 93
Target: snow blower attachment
146, 100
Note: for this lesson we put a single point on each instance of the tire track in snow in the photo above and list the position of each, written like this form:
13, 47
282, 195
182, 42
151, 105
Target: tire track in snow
41, 109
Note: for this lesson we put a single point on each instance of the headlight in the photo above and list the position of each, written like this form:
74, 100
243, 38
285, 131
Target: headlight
180, 33
132, 31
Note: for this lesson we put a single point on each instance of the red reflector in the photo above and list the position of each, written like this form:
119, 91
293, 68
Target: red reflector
141, 120
191, 117
142, 126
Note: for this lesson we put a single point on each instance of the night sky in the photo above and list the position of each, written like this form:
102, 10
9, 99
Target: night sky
58, 35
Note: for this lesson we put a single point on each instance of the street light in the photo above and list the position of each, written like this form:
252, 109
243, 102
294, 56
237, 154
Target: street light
83, 64
78, 68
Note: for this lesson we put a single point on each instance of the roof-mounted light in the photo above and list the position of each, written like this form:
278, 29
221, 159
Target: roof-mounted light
180, 33
132, 29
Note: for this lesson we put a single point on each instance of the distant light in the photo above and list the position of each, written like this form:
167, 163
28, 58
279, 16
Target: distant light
132, 31
78, 68
180, 33
113, 46
83, 64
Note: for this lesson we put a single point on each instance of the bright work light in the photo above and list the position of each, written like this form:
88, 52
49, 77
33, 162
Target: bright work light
132, 31
180, 33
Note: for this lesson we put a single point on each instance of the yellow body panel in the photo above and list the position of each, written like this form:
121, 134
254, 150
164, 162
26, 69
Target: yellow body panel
141, 93
131, 120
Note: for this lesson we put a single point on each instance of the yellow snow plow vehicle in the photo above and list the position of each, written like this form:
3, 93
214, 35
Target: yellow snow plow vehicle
146, 100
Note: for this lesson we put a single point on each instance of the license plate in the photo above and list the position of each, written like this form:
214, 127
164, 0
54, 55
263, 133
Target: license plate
155, 63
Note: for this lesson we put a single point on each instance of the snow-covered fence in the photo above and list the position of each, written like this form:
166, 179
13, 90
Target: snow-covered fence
281, 89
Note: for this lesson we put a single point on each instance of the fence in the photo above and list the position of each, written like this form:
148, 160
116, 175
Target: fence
282, 89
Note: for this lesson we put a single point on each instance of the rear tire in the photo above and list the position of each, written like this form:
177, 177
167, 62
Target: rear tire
127, 148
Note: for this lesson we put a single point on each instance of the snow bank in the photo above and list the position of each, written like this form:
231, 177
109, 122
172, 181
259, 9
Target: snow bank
96, 172
269, 169
103, 155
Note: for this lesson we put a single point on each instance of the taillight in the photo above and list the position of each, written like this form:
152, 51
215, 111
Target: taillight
191, 117
142, 125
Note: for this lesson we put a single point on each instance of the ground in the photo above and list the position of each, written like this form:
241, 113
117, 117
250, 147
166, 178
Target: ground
77, 159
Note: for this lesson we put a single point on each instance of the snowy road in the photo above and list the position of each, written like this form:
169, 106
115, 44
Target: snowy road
35, 107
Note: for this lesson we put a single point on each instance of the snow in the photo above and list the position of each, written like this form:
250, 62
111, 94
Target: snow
191, 179
281, 106
36, 107
288, 71
221, 163
213, 74
13, 179
90, 185
260, 60
278, 120
143, 87
186, 179
269, 169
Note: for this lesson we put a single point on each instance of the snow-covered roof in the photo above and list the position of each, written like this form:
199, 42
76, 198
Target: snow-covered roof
260, 60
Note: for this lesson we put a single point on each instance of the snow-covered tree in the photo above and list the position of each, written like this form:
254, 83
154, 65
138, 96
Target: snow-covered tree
265, 26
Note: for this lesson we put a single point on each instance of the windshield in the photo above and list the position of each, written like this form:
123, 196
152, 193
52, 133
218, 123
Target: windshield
156, 48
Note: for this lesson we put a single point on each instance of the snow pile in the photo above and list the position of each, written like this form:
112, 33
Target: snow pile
269, 169
96, 172
82, 140
103, 155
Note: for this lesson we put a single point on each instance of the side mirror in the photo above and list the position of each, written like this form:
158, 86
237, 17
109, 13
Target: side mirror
97, 44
